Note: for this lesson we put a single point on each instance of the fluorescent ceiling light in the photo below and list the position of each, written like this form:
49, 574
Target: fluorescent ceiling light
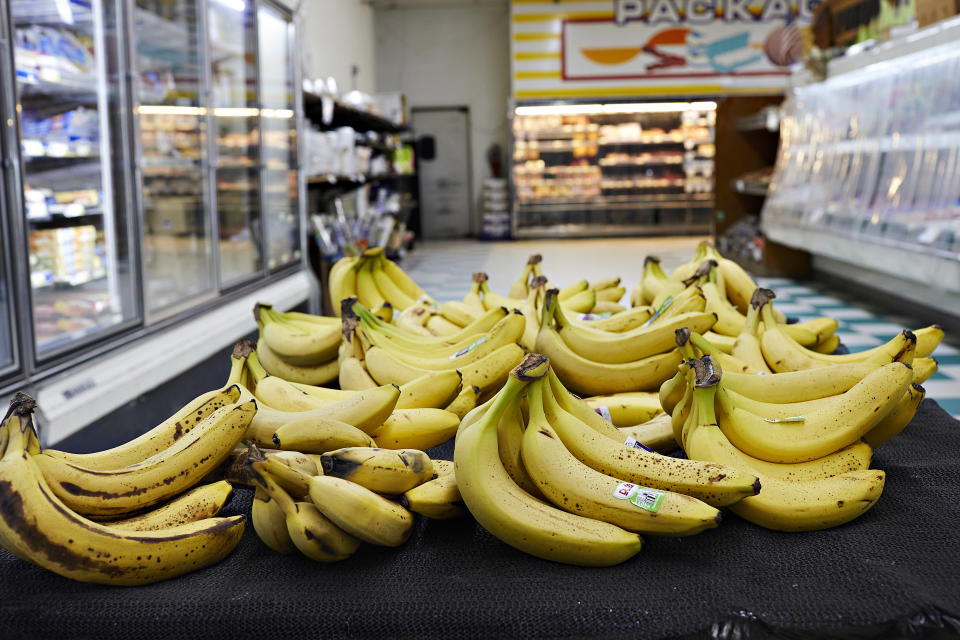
235, 112
277, 113
169, 110
629, 107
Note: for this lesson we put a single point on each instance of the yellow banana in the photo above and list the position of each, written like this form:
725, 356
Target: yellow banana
390, 471
655, 434
198, 503
319, 435
391, 292
361, 512
416, 429
465, 401
275, 365
367, 292
897, 420
627, 409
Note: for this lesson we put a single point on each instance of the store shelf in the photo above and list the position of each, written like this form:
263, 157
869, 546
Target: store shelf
767, 119
346, 116
606, 230
600, 203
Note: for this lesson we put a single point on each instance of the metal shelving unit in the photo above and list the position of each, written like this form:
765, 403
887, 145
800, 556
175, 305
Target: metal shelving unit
612, 169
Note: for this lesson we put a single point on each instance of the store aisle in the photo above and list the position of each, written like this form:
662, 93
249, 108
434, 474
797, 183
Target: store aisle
444, 270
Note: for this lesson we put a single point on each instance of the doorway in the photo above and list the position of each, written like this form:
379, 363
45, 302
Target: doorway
444, 170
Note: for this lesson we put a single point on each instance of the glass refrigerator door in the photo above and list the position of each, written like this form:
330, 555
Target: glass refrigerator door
279, 138
7, 360
80, 270
233, 45
177, 256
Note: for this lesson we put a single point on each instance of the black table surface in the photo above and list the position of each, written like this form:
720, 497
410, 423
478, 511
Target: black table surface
894, 572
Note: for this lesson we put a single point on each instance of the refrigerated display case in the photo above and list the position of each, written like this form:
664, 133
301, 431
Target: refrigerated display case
233, 46
279, 171
868, 172
609, 169
8, 356
79, 250
171, 123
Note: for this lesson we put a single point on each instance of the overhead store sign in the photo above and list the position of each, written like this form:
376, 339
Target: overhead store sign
623, 48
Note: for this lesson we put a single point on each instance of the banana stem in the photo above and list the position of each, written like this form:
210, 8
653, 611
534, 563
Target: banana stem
255, 368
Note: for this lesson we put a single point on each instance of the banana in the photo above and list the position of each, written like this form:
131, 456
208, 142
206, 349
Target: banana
275, 365
607, 283
582, 302
835, 422
655, 434
412, 319
828, 346
581, 409
295, 344
610, 294
721, 342
715, 484
473, 299
442, 467
366, 410
727, 362
390, 471
342, 281
507, 331
157, 439
307, 321
746, 348
434, 344
486, 373
392, 293
465, 401
595, 378
367, 292
738, 285
310, 532
923, 368
438, 325
571, 291
629, 346
519, 289
319, 435
286, 396
493, 300
430, 391
403, 281
416, 429
686, 301
353, 375
655, 283
928, 339
437, 499
157, 478
201, 502
604, 306
627, 409
361, 512
531, 314
781, 505
511, 514
457, 312
509, 443
384, 312
897, 420
575, 487
797, 386
270, 522
686, 270
625, 321
40, 528
783, 353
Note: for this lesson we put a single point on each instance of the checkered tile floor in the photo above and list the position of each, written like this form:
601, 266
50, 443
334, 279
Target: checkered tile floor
444, 271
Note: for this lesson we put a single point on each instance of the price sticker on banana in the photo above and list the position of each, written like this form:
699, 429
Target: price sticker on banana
590, 317
632, 442
663, 307
604, 413
648, 499
467, 350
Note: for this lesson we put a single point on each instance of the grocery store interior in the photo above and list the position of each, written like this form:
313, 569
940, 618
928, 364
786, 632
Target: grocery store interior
170, 164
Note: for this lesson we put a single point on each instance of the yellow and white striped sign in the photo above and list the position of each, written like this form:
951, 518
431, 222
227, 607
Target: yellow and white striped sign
595, 49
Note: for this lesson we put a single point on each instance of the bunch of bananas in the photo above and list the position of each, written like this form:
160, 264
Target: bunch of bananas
325, 506
811, 452
557, 481
726, 290
128, 515
298, 347
483, 352
375, 280
310, 419
593, 361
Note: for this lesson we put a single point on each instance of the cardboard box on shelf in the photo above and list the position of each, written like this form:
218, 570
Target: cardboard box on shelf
930, 11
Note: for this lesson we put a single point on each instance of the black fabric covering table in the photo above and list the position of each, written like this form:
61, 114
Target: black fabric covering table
894, 572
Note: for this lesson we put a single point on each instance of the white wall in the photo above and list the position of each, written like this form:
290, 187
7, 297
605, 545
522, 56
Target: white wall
338, 34
451, 55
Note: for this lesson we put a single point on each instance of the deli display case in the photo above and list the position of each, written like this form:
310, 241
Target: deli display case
151, 177
613, 169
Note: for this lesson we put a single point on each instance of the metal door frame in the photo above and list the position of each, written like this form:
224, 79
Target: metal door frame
473, 225
6, 236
